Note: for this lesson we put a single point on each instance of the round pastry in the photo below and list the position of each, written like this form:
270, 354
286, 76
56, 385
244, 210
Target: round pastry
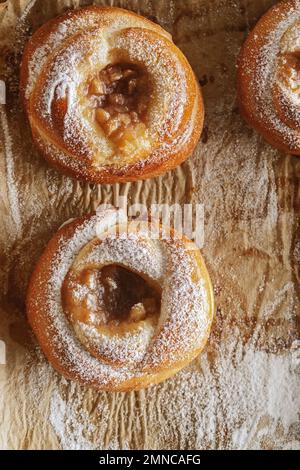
269, 76
116, 308
109, 96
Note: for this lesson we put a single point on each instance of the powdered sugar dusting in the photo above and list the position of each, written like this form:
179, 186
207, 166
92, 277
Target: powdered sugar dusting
242, 392
259, 417
11, 184
72, 53
269, 58
129, 347
185, 315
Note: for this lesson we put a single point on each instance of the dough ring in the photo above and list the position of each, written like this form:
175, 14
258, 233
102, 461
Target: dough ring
269, 77
116, 309
109, 96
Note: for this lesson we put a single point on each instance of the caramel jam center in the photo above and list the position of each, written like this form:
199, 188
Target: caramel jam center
111, 296
119, 96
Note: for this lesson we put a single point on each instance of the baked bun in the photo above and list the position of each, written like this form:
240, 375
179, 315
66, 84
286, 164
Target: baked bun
269, 77
109, 96
117, 309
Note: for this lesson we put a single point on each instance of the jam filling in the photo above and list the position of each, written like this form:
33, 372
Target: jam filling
119, 96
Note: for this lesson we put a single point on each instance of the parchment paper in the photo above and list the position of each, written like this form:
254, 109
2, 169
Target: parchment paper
243, 391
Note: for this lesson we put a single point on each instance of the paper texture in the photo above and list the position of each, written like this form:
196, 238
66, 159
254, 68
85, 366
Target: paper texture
243, 391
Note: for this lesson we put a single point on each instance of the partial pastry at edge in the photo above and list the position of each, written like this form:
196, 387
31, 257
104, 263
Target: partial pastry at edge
109, 96
269, 77
116, 309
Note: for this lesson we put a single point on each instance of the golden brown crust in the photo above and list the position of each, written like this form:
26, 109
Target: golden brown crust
164, 355
69, 137
267, 88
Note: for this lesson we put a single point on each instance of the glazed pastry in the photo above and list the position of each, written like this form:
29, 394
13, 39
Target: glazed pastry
116, 309
109, 96
269, 79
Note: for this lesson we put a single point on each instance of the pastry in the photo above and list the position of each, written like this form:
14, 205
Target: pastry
109, 96
269, 79
117, 309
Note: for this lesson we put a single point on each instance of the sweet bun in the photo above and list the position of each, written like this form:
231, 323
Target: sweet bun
269, 79
109, 96
116, 309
